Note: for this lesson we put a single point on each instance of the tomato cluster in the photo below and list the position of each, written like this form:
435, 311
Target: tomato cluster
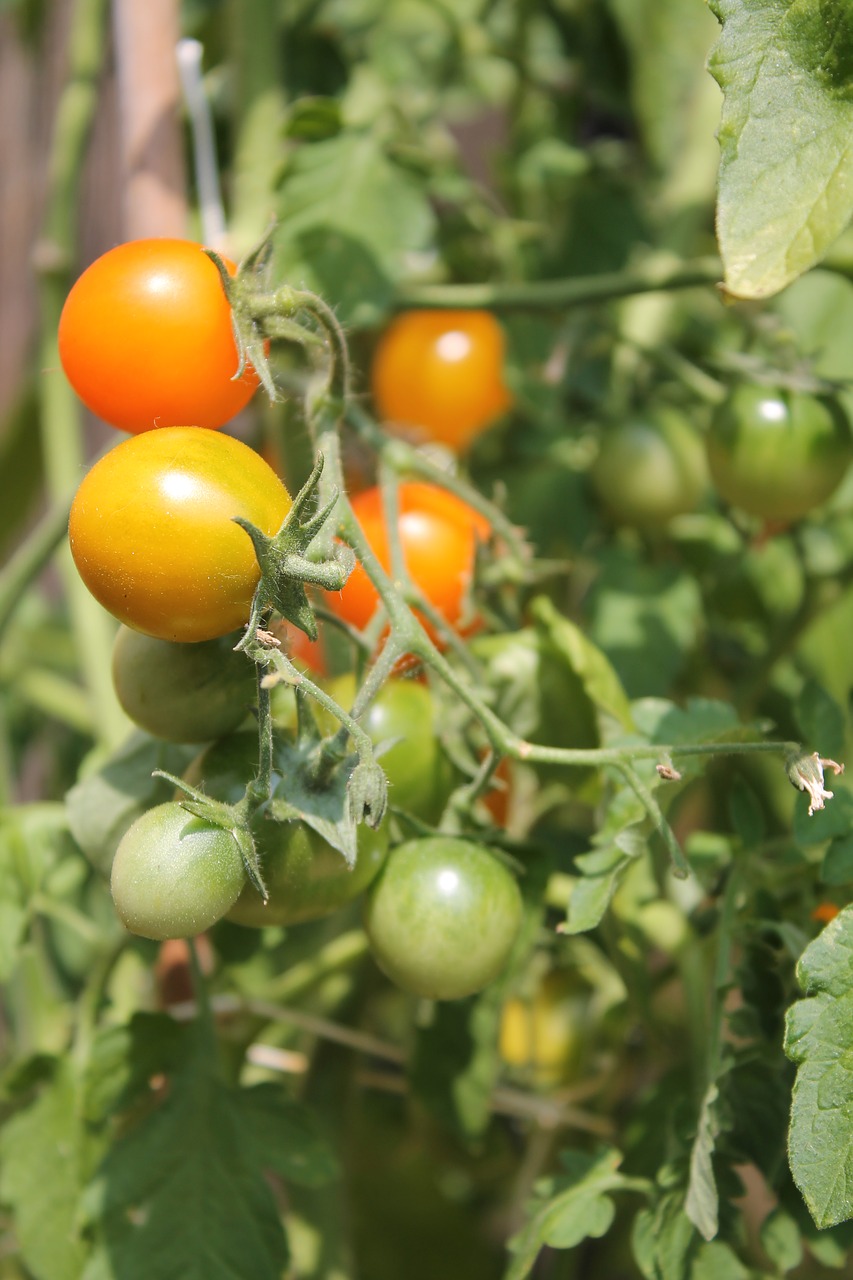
154, 534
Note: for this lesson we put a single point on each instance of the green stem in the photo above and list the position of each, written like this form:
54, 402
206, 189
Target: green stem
259, 110
403, 458
21, 570
561, 294
60, 414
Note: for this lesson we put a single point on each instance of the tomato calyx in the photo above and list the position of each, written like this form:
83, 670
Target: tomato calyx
233, 818
258, 315
286, 565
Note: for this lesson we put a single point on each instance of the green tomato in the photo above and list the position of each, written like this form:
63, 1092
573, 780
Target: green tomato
778, 454
305, 876
650, 469
182, 692
420, 776
175, 875
442, 917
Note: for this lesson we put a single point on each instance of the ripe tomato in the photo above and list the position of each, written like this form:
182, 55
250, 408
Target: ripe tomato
182, 692
305, 876
420, 776
442, 917
153, 536
438, 375
145, 339
175, 875
778, 454
439, 534
650, 469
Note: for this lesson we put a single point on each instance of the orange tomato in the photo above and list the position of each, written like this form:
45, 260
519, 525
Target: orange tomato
145, 339
438, 534
438, 375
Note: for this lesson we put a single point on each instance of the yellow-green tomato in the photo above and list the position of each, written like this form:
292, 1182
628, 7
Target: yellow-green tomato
650, 469
182, 692
543, 1034
175, 875
442, 917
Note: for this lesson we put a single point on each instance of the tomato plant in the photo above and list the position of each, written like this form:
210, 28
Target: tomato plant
438, 375
650, 468
442, 917
420, 776
438, 535
153, 536
174, 875
145, 339
305, 876
778, 454
182, 692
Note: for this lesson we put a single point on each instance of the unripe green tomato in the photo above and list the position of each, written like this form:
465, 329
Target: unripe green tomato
305, 876
182, 692
175, 875
442, 917
650, 469
778, 454
420, 776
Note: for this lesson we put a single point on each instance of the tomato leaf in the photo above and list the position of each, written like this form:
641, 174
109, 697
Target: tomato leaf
327, 809
183, 1193
571, 1207
600, 681
42, 1150
352, 249
817, 1037
786, 172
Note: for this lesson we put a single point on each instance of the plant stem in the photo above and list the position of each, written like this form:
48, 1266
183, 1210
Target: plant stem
60, 414
562, 294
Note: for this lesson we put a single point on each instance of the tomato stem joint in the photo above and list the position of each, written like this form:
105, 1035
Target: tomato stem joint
286, 565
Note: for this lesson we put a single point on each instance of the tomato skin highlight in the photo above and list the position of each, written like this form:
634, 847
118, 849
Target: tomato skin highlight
439, 535
438, 375
175, 875
778, 454
182, 692
145, 338
153, 536
442, 917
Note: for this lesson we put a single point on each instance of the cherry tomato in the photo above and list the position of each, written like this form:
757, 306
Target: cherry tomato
439, 535
145, 339
442, 917
306, 877
183, 692
438, 375
420, 776
650, 469
153, 535
778, 454
543, 1035
175, 875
